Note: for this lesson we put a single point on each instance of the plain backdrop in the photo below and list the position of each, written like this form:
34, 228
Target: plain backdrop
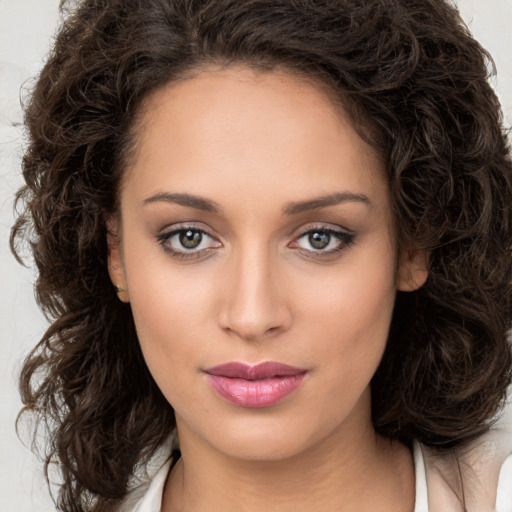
26, 30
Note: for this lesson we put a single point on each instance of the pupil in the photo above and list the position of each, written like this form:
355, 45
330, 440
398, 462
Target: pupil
190, 239
319, 240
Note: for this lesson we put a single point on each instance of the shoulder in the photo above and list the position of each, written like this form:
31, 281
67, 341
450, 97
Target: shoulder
146, 487
147, 497
476, 479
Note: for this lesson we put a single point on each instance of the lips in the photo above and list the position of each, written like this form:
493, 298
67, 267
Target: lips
262, 385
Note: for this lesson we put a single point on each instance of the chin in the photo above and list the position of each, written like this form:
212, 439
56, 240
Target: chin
263, 439
254, 446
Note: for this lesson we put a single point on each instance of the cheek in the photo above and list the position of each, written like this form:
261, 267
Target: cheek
172, 307
349, 319
354, 302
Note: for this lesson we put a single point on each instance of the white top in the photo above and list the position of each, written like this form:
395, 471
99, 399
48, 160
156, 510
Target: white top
147, 497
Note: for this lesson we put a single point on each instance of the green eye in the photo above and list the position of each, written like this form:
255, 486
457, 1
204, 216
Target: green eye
323, 241
187, 242
190, 239
319, 239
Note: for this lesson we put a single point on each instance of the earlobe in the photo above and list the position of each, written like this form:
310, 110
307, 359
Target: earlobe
412, 271
115, 261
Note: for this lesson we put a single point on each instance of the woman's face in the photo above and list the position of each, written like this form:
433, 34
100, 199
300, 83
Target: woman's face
256, 228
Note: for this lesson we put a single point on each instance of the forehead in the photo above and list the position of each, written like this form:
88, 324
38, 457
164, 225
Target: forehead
222, 125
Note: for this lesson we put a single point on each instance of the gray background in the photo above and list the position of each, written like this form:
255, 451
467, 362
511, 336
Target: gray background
26, 29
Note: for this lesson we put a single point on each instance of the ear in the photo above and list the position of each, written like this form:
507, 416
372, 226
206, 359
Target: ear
412, 270
115, 260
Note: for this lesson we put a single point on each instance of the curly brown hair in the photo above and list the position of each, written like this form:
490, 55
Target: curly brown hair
414, 83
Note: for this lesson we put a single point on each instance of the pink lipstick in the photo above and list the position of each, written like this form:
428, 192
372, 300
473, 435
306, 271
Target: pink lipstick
262, 385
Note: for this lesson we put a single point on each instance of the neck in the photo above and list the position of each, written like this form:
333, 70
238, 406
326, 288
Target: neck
361, 471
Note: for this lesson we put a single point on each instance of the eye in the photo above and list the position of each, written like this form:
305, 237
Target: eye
190, 239
187, 242
323, 240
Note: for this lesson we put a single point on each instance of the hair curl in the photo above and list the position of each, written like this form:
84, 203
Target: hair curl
413, 81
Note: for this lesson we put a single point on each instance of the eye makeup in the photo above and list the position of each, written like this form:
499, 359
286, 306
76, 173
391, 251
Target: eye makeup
188, 241
323, 241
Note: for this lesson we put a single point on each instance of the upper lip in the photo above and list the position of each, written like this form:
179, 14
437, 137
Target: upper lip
266, 370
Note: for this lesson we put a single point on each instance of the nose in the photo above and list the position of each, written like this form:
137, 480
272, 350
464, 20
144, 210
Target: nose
255, 302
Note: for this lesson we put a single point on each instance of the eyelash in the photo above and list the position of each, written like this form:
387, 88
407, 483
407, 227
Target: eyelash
346, 239
164, 239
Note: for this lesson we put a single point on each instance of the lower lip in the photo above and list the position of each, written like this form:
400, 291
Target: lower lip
255, 393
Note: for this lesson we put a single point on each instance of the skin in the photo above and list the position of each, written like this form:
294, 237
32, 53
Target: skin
256, 290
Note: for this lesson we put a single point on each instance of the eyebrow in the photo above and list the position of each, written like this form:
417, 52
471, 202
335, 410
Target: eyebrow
199, 203
294, 208
325, 201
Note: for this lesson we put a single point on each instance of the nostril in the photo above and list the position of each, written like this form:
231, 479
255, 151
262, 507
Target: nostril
251, 333
251, 308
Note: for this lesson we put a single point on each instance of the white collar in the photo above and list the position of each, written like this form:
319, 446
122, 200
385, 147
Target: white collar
147, 497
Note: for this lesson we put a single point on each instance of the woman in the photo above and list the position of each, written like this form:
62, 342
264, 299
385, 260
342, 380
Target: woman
274, 238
